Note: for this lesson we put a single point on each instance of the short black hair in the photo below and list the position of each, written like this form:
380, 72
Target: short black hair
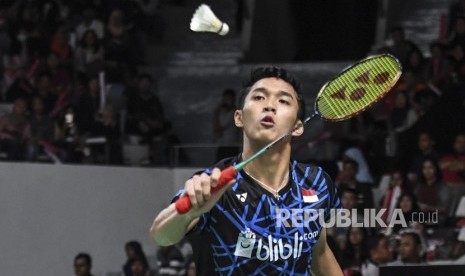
344, 190
84, 256
416, 238
276, 72
350, 161
373, 241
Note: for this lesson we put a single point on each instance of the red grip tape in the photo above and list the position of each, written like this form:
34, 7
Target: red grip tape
183, 204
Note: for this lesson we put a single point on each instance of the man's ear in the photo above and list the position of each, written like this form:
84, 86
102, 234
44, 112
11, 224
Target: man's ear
238, 118
300, 130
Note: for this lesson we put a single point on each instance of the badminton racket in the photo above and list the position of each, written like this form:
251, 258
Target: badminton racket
352, 91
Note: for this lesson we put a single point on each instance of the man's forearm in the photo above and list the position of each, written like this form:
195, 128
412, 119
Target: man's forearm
326, 264
169, 227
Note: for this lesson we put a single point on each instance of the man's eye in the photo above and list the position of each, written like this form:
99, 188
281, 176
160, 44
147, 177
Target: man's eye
284, 102
258, 97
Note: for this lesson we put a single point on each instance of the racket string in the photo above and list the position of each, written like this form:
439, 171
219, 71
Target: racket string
358, 87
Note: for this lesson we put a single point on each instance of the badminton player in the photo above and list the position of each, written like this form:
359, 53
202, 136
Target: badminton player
241, 228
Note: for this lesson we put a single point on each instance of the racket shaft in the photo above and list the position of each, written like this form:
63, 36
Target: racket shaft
184, 205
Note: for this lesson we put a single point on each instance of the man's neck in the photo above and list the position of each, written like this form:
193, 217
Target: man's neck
272, 167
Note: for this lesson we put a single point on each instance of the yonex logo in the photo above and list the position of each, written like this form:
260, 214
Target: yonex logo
365, 79
242, 197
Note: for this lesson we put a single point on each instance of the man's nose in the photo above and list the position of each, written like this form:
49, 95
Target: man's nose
269, 107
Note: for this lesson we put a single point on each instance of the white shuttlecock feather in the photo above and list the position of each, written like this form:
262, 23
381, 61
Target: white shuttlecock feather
204, 20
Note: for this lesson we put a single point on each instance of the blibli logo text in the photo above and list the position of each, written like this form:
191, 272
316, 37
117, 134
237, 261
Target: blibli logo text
269, 249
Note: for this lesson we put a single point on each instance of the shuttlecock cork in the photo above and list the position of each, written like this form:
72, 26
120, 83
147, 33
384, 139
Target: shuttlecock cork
204, 20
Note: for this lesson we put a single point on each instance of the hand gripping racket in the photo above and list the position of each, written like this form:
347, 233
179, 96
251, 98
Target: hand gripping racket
352, 91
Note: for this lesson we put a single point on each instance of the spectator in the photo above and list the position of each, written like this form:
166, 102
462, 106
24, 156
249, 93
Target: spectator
145, 112
397, 187
60, 79
89, 55
59, 46
363, 172
401, 47
453, 170
139, 267
410, 249
356, 252
456, 10
46, 93
432, 193
437, 67
457, 64
457, 36
170, 261
149, 20
82, 265
87, 106
108, 127
119, 54
15, 131
408, 206
68, 136
226, 134
42, 129
28, 40
349, 202
133, 251
20, 88
426, 145
398, 115
415, 64
89, 23
380, 254
346, 179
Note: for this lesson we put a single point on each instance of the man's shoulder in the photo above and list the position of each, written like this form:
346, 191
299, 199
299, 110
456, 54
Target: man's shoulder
308, 170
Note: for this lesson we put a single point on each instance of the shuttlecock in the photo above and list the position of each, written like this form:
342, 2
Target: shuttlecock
204, 20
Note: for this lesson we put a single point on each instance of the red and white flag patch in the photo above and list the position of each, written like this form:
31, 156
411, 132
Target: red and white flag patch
309, 196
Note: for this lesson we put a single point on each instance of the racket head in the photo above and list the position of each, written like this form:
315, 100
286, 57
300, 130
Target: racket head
357, 87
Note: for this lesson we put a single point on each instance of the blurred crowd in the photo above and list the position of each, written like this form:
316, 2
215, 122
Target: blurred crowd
72, 88
406, 154
170, 260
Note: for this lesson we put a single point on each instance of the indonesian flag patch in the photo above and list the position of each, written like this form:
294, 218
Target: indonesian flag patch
309, 196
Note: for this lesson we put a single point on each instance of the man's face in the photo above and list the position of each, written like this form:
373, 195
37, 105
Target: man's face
425, 142
349, 200
356, 236
396, 179
349, 171
81, 267
408, 250
270, 110
19, 107
137, 268
429, 171
406, 204
459, 144
382, 254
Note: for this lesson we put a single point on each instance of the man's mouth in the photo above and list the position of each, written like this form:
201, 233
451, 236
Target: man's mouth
267, 121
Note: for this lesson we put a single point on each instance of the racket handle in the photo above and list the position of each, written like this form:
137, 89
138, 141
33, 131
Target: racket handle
183, 204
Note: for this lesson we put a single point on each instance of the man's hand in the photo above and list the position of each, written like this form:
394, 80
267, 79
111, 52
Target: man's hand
169, 227
198, 189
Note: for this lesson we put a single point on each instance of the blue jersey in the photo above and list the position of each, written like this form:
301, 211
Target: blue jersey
252, 231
